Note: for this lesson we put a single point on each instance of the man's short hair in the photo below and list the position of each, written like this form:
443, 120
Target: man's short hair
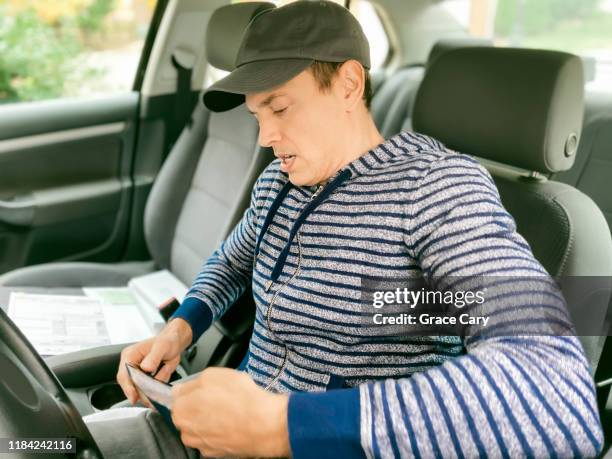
324, 72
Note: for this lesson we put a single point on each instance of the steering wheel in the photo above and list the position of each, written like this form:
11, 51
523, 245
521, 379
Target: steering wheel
33, 403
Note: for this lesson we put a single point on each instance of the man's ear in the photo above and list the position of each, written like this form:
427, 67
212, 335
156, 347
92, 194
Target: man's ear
351, 83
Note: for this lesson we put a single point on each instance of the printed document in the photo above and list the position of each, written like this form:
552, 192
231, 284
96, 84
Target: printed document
56, 324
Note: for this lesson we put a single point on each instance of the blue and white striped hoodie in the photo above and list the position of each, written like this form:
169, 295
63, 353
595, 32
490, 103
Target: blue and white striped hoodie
409, 207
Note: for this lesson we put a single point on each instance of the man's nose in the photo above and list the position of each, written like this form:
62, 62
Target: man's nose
268, 134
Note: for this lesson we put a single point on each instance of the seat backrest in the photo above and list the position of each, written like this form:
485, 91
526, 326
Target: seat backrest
520, 111
592, 171
377, 79
446, 44
393, 100
205, 183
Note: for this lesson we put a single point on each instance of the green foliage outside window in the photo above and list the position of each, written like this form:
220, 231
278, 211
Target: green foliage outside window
38, 57
538, 16
90, 19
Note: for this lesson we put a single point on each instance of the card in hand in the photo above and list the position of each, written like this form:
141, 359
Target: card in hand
156, 393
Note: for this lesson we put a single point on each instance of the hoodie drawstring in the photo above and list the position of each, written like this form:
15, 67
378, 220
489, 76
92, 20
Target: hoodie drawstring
310, 207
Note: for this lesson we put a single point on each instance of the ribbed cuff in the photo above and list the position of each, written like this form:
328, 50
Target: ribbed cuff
325, 424
197, 314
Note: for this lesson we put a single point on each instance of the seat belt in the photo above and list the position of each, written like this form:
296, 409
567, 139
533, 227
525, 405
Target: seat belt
183, 60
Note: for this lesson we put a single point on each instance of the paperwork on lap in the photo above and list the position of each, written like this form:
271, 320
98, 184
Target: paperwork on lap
56, 324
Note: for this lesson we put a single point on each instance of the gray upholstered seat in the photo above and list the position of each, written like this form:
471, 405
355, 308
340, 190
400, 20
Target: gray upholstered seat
393, 100
592, 171
200, 192
520, 112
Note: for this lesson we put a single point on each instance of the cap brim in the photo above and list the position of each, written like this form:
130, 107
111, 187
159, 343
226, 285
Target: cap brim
253, 77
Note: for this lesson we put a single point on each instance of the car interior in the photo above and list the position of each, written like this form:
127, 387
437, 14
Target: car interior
94, 194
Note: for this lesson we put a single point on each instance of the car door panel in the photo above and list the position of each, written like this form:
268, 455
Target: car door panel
65, 179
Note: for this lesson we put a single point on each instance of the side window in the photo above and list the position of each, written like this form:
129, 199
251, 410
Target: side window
373, 27
581, 27
70, 48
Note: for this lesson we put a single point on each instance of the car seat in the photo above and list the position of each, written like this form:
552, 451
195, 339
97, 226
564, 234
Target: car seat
200, 193
520, 112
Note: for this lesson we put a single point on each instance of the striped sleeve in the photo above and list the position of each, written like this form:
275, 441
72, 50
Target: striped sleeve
224, 276
510, 394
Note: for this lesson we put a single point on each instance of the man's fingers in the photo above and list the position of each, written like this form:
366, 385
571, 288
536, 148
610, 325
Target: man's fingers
153, 359
148, 355
165, 372
207, 452
189, 440
133, 355
124, 381
126, 384
132, 395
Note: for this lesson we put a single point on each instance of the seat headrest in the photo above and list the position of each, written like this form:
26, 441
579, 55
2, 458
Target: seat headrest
225, 29
446, 44
519, 107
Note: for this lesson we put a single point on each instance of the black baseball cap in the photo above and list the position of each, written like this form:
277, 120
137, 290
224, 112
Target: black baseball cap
279, 43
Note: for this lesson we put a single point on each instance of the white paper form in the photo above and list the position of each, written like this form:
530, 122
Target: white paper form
118, 296
123, 314
157, 287
153, 289
56, 324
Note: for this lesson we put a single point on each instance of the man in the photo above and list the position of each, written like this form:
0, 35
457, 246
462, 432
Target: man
339, 205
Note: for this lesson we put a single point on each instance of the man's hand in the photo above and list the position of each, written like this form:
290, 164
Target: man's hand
149, 354
223, 412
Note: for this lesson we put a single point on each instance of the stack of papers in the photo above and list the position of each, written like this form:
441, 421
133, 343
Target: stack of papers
56, 324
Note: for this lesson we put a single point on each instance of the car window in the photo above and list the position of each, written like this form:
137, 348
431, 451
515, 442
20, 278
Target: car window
370, 20
581, 27
70, 48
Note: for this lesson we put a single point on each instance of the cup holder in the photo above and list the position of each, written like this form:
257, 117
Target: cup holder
103, 397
